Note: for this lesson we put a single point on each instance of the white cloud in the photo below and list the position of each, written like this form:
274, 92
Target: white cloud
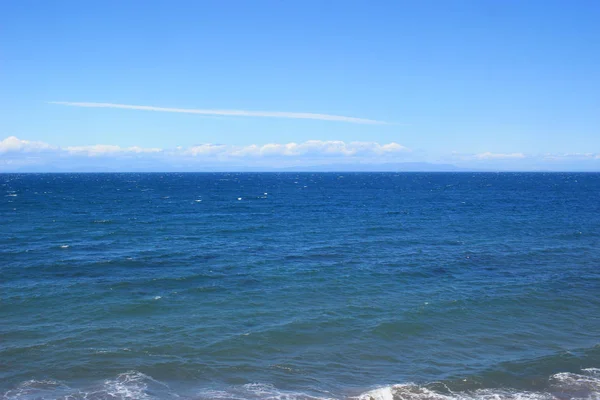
18, 154
310, 147
99, 149
104, 149
203, 150
137, 149
329, 148
227, 113
14, 144
572, 156
498, 156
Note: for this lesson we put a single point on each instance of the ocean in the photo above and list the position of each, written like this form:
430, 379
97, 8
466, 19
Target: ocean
300, 286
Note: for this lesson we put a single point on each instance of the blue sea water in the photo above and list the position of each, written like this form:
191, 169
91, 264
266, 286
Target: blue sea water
300, 286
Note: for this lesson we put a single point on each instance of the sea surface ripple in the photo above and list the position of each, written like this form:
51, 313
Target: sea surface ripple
300, 286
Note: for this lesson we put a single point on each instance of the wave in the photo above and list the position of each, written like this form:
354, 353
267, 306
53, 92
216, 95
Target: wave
127, 386
584, 385
561, 386
256, 391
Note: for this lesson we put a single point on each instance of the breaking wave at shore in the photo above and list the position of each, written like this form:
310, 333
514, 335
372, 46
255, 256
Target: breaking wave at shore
136, 385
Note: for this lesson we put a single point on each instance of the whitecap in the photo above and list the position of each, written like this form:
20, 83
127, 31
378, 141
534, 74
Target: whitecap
37, 389
411, 391
579, 383
133, 385
258, 391
562, 386
136, 385
591, 371
384, 393
129, 385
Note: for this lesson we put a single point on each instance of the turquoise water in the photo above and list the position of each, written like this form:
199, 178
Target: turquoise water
300, 285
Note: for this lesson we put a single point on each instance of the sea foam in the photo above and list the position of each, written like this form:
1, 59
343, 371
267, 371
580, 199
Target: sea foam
136, 385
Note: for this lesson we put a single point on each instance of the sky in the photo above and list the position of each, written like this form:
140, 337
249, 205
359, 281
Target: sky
246, 85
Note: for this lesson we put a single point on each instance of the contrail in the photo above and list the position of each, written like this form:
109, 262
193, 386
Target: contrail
230, 113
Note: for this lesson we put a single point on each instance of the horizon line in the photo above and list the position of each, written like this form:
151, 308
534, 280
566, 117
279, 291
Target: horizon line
292, 170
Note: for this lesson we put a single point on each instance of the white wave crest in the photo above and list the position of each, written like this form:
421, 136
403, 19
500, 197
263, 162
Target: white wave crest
134, 385
416, 392
130, 385
257, 391
562, 386
581, 386
592, 371
37, 389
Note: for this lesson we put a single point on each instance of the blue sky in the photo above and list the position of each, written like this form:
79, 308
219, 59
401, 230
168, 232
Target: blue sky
478, 84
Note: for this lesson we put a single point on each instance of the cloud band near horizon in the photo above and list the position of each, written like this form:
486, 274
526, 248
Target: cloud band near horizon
329, 148
228, 113
26, 155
